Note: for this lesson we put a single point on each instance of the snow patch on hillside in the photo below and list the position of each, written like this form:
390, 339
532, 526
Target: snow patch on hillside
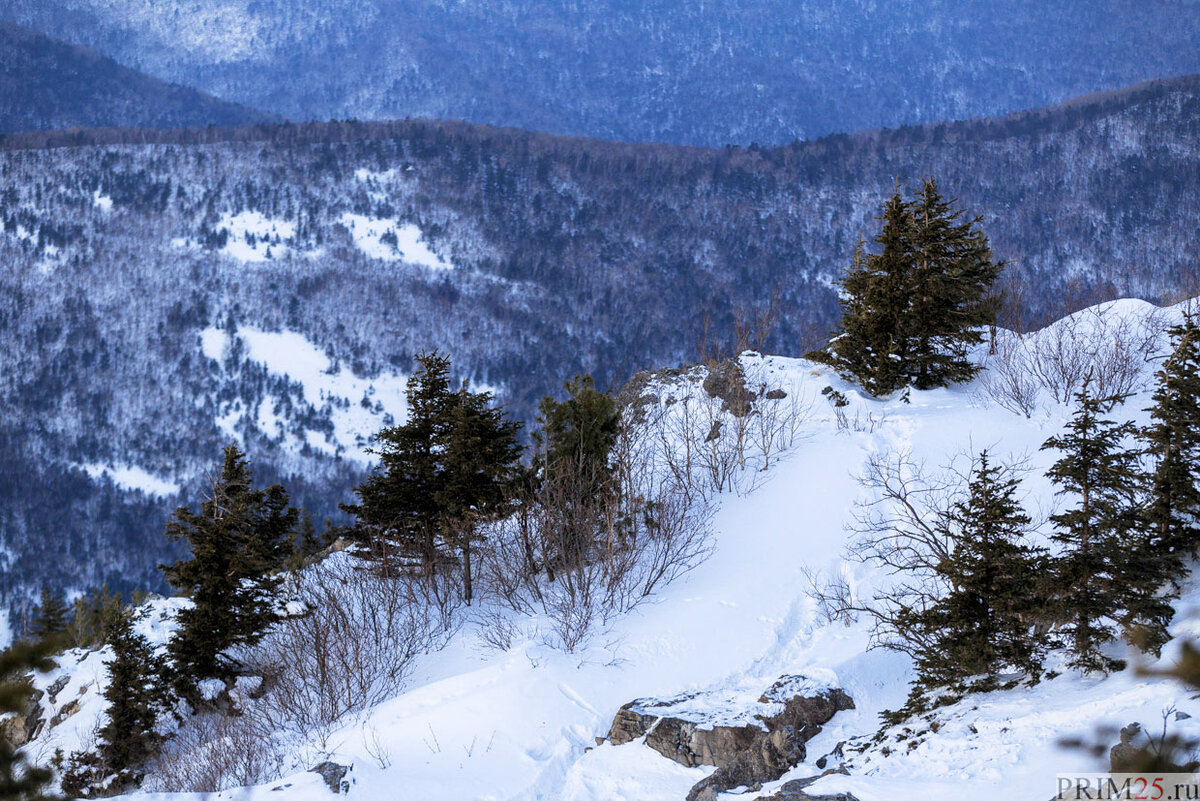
254, 237
391, 240
357, 407
133, 478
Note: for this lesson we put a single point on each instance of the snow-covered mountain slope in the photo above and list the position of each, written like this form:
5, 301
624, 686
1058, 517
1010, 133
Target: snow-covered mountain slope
478, 723
525, 258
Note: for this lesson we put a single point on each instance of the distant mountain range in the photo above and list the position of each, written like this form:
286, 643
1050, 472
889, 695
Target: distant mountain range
164, 292
45, 83
681, 71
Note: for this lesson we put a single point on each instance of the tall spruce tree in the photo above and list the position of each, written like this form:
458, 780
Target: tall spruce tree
239, 541
442, 473
399, 516
983, 624
1173, 441
19, 779
481, 465
912, 311
1104, 572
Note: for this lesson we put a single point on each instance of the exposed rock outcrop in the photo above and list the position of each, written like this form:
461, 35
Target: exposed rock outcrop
796, 790
727, 381
748, 743
22, 727
334, 776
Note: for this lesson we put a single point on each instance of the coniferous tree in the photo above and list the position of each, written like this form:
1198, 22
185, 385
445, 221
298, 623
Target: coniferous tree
442, 473
1173, 442
136, 698
911, 312
871, 346
576, 438
1104, 572
481, 464
398, 511
983, 624
950, 292
50, 624
20, 780
239, 540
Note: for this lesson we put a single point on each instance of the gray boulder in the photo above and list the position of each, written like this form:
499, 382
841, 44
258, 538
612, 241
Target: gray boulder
749, 742
334, 776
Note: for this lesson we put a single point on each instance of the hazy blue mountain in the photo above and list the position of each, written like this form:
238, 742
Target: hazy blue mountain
665, 70
164, 292
46, 83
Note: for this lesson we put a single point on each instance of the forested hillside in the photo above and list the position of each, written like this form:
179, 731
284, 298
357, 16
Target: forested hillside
690, 73
46, 83
161, 294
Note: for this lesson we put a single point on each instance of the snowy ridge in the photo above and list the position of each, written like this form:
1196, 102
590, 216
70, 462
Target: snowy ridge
478, 723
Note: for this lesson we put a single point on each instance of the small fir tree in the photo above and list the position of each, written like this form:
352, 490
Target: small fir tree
983, 625
398, 512
575, 440
481, 464
1173, 441
50, 623
239, 541
1103, 573
136, 698
442, 474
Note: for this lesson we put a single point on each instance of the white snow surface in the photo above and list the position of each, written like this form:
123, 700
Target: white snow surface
475, 723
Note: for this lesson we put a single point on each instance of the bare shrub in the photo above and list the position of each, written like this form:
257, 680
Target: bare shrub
214, 752
710, 444
1008, 379
1113, 349
496, 628
777, 417
352, 649
579, 557
907, 527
